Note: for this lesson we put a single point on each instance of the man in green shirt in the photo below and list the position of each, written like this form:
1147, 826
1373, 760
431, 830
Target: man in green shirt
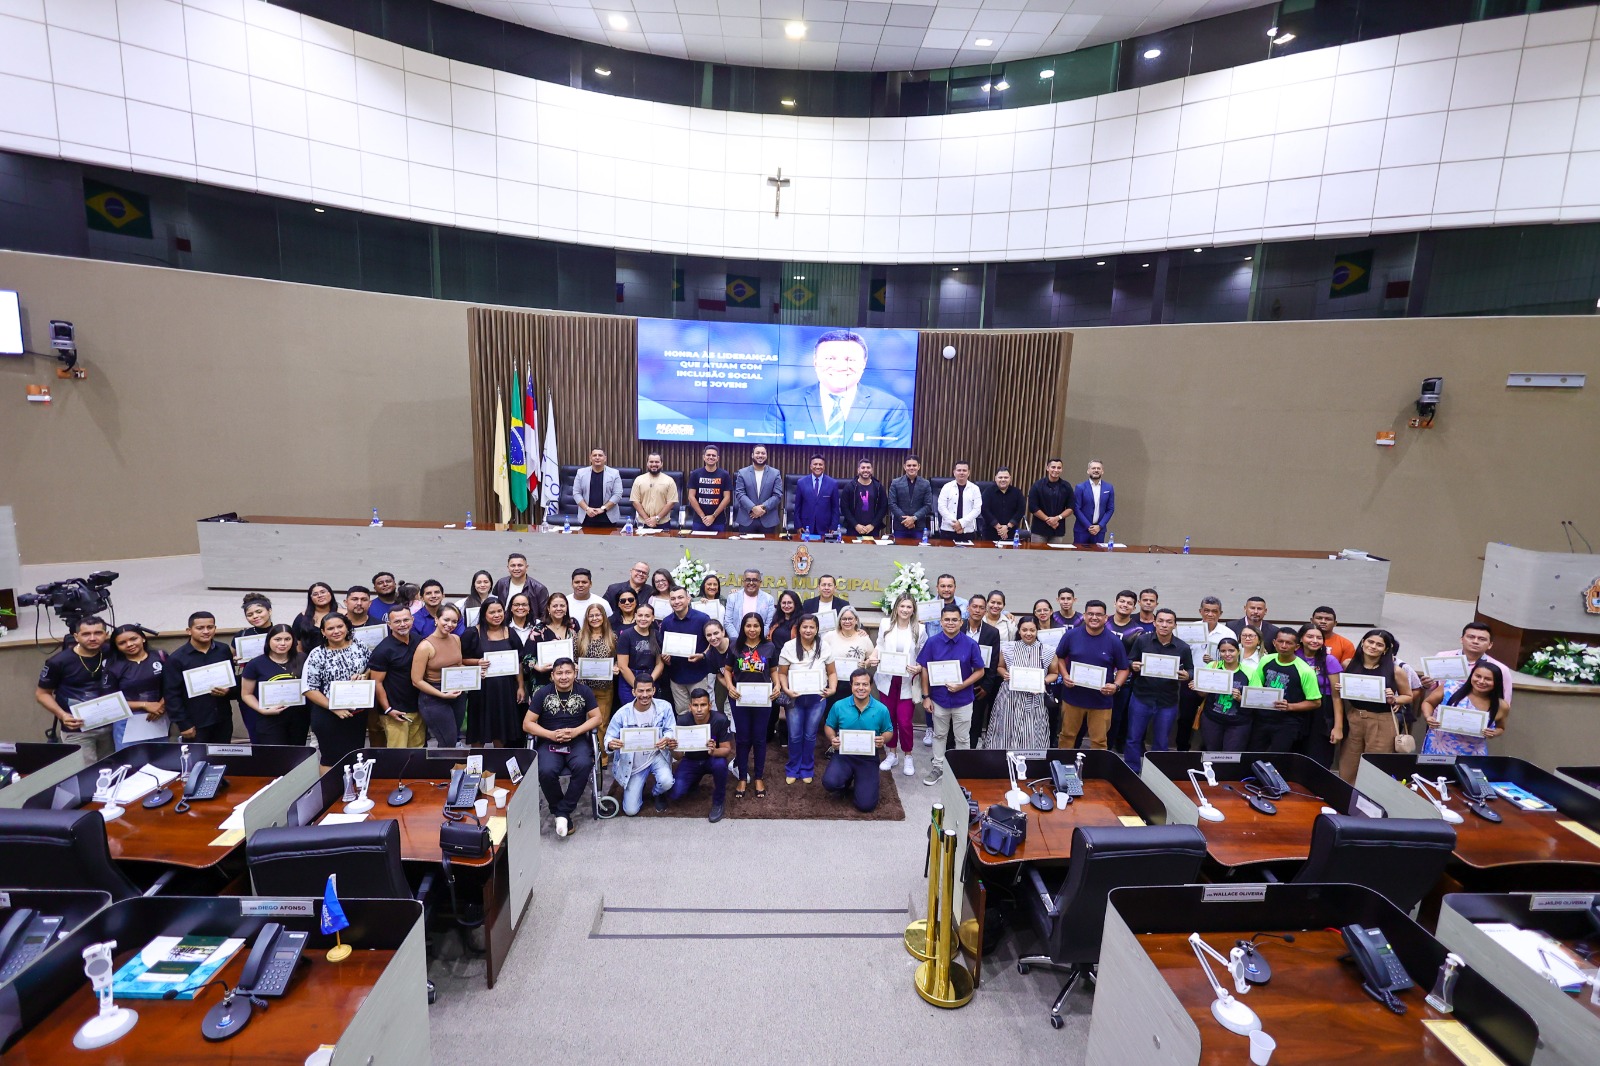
859, 710
1283, 726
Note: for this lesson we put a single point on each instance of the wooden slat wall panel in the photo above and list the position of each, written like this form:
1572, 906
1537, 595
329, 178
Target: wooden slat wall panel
1000, 402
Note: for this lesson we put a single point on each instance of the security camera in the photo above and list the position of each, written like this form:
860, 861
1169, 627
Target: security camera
63, 338
1428, 398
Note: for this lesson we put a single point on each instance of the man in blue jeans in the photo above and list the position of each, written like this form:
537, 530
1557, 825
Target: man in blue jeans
560, 718
859, 773
633, 769
714, 760
1154, 699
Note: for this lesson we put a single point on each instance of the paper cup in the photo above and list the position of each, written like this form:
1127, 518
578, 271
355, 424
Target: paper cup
482, 807
500, 795
1261, 1047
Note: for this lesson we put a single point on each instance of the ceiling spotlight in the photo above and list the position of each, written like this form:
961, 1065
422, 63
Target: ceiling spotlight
1152, 53
1047, 73
1248, 258
799, 277
787, 101
1285, 39
318, 210
617, 22
1143, 265
983, 42
604, 72
1199, 249
1100, 263
794, 30
1272, 31
954, 269
986, 86
1002, 86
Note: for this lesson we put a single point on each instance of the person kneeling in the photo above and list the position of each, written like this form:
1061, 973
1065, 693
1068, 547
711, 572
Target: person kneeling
631, 769
714, 760
858, 711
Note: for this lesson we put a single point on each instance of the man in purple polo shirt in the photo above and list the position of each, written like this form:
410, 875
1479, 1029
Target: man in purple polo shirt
949, 705
1093, 645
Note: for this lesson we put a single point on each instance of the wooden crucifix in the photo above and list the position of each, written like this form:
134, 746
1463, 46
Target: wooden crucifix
778, 184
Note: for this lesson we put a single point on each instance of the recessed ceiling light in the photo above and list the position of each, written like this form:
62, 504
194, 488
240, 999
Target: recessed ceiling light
1285, 39
318, 210
954, 269
986, 86
794, 30
1002, 85
1198, 249
983, 42
1152, 53
1100, 263
1142, 265
1047, 73
1248, 258
1272, 31
604, 72
617, 22
787, 101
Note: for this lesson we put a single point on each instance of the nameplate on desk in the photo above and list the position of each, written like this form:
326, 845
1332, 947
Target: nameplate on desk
1368, 808
1548, 901
1040, 754
1436, 760
1233, 893
1582, 830
8, 747
227, 749
1222, 756
272, 908
1461, 1043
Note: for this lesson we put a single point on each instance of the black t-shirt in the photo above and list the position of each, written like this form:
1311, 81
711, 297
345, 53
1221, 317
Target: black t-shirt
562, 710
709, 488
74, 678
1222, 707
754, 664
1159, 691
1287, 678
262, 668
139, 682
394, 659
642, 651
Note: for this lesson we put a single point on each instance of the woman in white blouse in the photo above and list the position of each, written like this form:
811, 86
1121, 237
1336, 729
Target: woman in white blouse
900, 634
804, 652
847, 644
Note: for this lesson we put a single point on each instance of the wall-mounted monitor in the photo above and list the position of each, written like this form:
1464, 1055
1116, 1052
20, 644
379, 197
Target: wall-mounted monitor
10, 323
812, 386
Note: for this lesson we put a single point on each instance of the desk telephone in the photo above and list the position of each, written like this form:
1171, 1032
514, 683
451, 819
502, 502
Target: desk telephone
272, 960
1065, 779
1265, 783
26, 934
202, 782
1477, 792
463, 789
1381, 972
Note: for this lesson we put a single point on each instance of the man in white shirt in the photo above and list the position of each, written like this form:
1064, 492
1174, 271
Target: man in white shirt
583, 596
1476, 640
1189, 700
753, 599
960, 506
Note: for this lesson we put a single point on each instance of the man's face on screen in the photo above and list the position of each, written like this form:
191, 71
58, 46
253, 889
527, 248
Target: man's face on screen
839, 364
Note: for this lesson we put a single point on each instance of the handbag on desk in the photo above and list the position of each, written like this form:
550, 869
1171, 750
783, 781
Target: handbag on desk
458, 838
1002, 830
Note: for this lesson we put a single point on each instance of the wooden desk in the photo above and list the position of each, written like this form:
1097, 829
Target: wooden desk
42, 765
420, 819
1249, 837
163, 835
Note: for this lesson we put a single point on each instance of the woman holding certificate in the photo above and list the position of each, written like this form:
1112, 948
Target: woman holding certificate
308, 623
899, 678
339, 729
251, 641
438, 653
1463, 724
847, 644
996, 615
709, 602
520, 616
1224, 719
554, 629
1327, 719
268, 722
748, 676
1019, 719
638, 653
662, 584
136, 672
472, 605
597, 651
494, 714
1252, 647
806, 675
1374, 690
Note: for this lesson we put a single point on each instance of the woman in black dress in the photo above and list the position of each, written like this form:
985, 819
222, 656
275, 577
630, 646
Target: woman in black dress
308, 623
279, 662
494, 717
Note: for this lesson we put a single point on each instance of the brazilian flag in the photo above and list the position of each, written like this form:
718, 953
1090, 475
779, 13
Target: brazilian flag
1352, 274
880, 295
744, 290
677, 285
799, 296
112, 210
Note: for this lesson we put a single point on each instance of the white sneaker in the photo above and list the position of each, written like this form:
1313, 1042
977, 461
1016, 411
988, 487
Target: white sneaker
561, 827
927, 737
889, 761
910, 767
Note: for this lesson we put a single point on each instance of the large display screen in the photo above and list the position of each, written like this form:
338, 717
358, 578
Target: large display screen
765, 384
10, 323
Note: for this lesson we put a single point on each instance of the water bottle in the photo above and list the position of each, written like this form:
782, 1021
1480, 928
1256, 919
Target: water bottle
376, 521
566, 524
627, 528
349, 786
469, 521
924, 536
1016, 538
1111, 542
1186, 545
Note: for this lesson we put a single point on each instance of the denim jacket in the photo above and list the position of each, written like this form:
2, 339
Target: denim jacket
624, 764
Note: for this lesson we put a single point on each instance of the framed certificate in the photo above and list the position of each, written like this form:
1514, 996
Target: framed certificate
597, 669
370, 637
247, 646
1262, 697
548, 651
1366, 688
694, 737
1191, 632
827, 620
945, 672
639, 738
684, 644
1210, 653
1465, 721
1164, 666
1218, 682
352, 695
102, 710
857, 742
986, 653
754, 693
470, 617
928, 610
894, 663
1445, 667
501, 663
291, 693
1088, 675
1027, 679
807, 681
202, 679
460, 679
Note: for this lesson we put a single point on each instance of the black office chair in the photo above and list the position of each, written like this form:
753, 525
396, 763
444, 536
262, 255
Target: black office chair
1399, 858
1070, 915
61, 849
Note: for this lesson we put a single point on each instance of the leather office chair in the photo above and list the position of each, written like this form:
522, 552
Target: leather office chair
296, 861
60, 849
1400, 858
1070, 915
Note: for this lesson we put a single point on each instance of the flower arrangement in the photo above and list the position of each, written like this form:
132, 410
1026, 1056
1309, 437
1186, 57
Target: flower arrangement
1568, 662
690, 572
912, 579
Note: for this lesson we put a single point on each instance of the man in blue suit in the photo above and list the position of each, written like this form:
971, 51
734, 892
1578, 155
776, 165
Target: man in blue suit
840, 411
1093, 502
816, 500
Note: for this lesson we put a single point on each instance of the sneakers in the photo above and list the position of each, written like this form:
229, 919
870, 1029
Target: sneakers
927, 737
716, 813
562, 826
788, 780
890, 761
661, 803
807, 780
910, 769
933, 776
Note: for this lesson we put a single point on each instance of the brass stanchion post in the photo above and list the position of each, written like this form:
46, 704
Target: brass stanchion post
939, 980
919, 934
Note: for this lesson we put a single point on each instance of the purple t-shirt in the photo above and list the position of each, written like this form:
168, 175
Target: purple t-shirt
1103, 649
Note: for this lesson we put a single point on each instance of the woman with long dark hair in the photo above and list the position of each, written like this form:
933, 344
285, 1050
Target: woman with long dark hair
439, 649
494, 715
780, 630
752, 662
308, 623
136, 670
1484, 691
337, 658
279, 661
805, 651
482, 587
1327, 720
1370, 727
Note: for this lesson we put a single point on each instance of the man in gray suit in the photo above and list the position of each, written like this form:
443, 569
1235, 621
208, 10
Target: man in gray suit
751, 599
597, 490
757, 495
910, 501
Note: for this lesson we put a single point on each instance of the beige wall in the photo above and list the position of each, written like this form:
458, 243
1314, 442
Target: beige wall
1261, 435
209, 393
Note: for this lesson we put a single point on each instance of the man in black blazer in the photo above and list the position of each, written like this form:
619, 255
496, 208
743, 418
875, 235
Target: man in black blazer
988, 638
863, 503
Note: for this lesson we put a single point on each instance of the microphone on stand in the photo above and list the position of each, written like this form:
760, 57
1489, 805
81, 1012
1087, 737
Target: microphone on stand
402, 793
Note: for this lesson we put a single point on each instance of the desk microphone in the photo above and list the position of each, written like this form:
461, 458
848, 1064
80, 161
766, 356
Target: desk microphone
1256, 968
1254, 800
402, 793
